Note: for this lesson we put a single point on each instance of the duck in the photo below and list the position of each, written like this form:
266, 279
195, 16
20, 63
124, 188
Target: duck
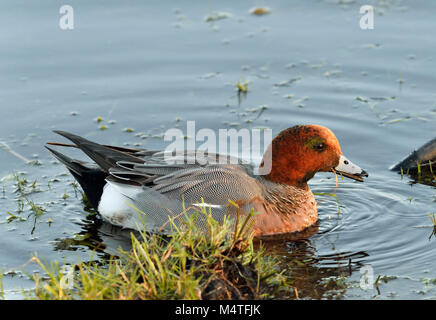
424, 158
140, 189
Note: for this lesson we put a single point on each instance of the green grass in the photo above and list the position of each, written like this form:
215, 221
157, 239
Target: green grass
2, 292
433, 219
218, 262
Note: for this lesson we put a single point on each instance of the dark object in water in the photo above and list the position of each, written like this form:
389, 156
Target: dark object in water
421, 161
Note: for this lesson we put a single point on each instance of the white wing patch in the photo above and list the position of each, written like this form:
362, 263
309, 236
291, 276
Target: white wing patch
207, 205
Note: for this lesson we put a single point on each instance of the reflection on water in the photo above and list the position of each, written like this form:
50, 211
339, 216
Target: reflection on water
426, 176
420, 164
314, 276
97, 235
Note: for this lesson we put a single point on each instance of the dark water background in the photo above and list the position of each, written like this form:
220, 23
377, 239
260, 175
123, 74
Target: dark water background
153, 65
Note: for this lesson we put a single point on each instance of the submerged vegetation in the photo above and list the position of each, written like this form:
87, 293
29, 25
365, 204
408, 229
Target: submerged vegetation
220, 263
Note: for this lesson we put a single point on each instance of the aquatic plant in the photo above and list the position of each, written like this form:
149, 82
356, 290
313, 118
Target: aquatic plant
24, 189
330, 195
260, 11
433, 219
242, 86
13, 217
2, 291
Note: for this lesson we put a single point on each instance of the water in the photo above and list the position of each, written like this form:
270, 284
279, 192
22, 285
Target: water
153, 66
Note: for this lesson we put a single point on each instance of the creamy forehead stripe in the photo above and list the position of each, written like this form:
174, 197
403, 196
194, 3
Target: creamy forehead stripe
347, 166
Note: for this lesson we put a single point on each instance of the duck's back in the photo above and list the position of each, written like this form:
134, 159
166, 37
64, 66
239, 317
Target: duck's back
162, 187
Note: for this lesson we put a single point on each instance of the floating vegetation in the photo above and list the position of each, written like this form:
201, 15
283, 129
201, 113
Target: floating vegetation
290, 65
370, 45
299, 102
217, 15
234, 124
23, 188
362, 99
254, 113
332, 73
242, 86
396, 120
99, 119
317, 65
260, 11
103, 127
13, 217
344, 2
383, 98
433, 220
128, 130
428, 281
34, 163
287, 83
210, 75
330, 195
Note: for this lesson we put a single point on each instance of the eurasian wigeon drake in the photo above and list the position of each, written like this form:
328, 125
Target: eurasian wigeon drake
123, 179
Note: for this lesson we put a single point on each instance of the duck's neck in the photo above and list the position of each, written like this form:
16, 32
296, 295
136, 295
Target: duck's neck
292, 179
287, 194
285, 170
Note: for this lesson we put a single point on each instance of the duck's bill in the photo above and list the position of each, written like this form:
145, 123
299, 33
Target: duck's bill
350, 170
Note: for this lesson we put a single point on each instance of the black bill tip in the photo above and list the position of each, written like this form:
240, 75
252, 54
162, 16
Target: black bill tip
354, 176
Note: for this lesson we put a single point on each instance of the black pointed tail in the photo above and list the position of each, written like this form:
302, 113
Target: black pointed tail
91, 179
106, 157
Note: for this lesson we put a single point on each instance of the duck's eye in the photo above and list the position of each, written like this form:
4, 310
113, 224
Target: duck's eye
316, 143
319, 147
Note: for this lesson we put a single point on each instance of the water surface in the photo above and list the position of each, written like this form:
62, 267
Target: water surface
153, 65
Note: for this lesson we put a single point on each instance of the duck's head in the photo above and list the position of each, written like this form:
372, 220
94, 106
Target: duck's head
297, 153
